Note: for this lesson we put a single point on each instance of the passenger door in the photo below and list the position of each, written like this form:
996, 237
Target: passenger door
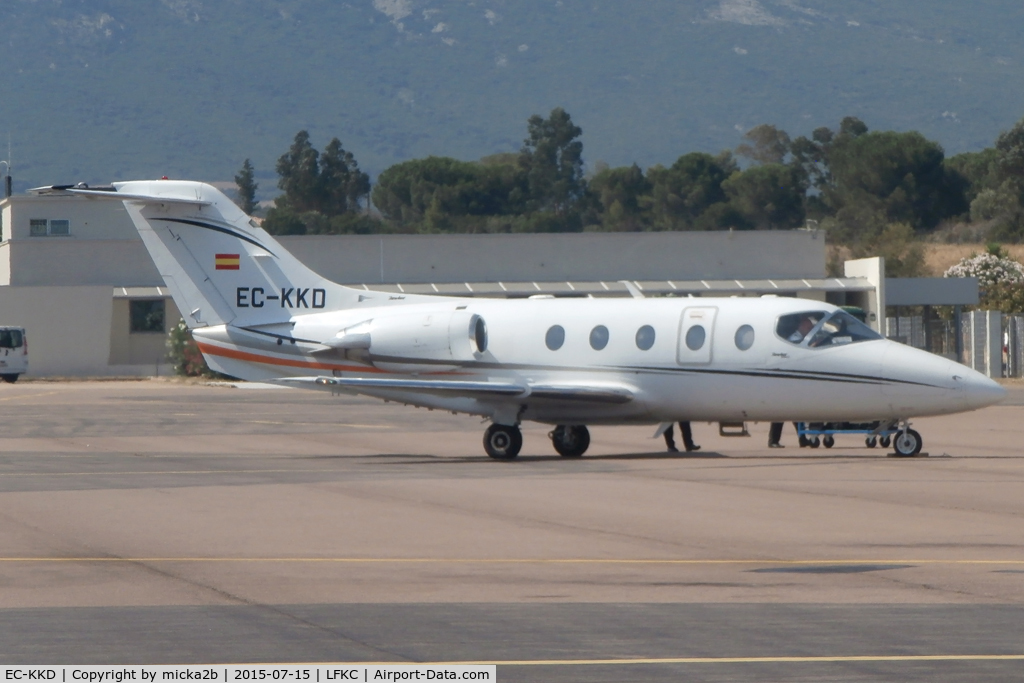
696, 334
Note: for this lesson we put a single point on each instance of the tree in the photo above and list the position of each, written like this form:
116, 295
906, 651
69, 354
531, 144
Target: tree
812, 155
427, 194
1010, 150
900, 174
904, 256
620, 193
246, 187
317, 189
765, 144
552, 159
683, 193
769, 196
299, 172
341, 183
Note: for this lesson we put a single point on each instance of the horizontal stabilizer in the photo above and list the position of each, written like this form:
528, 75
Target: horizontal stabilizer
118, 196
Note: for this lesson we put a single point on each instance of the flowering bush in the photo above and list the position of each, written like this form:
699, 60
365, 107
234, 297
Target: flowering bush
185, 355
990, 269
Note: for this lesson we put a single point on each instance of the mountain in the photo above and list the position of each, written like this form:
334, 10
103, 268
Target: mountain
100, 90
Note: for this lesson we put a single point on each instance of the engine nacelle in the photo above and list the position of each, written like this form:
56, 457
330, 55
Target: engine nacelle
444, 339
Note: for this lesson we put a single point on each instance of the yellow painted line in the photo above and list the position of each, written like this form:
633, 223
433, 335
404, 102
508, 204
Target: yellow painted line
470, 560
744, 660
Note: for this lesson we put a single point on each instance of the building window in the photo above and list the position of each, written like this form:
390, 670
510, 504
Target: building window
147, 315
40, 227
61, 227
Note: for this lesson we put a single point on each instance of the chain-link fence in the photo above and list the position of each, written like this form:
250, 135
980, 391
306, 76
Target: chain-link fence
989, 342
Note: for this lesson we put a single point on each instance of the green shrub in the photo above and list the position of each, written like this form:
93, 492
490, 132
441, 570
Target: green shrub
185, 356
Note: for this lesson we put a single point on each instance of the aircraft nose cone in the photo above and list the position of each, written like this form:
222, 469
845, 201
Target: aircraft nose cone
979, 390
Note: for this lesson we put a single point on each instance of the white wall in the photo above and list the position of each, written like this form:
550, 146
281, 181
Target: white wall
68, 328
581, 257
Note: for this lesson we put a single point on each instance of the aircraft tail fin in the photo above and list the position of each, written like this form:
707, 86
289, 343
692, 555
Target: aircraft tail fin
219, 265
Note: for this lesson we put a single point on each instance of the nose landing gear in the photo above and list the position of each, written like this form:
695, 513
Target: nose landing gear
907, 442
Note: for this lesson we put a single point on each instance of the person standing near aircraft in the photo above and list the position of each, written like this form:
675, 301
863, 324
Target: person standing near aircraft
775, 434
684, 430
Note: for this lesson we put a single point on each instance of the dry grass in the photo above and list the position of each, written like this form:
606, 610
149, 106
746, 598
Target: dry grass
939, 257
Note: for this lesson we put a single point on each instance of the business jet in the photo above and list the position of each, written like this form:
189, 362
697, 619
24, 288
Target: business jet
259, 314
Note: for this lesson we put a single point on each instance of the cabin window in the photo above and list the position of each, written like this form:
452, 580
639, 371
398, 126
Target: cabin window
695, 337
146, 315
816, 329
599, 337
841, 328
744, 337
555, 337
645, 338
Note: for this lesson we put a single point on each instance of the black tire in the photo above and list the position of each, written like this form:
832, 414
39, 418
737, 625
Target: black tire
804, 441
503, 442
871, 442
907, 444
571, 441
828, 442
885, 441
10, 379
814, 443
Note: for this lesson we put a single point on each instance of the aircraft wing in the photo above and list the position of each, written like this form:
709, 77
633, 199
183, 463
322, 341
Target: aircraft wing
575, 392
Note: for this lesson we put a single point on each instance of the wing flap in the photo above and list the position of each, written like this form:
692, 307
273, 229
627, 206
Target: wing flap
607, 394
426, 386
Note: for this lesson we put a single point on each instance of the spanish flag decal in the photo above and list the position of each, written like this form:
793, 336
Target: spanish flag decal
226, 261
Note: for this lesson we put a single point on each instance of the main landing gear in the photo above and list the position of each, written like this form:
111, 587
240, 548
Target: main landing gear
571, 441
503, 442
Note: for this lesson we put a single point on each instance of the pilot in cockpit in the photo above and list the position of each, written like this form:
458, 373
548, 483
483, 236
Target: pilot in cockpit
805, 325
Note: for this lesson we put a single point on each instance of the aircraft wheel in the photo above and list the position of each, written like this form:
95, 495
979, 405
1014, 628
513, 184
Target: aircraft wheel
907, 443
814, 443
570, 441
10, 379
871, 442
828, 442
503, 442
885, 441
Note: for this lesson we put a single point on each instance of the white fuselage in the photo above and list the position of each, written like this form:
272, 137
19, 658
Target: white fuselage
772, 380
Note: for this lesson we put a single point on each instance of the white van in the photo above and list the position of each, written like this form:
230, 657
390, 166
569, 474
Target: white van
13, 353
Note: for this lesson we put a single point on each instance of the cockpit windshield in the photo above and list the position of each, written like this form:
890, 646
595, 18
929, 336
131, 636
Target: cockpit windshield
816, 329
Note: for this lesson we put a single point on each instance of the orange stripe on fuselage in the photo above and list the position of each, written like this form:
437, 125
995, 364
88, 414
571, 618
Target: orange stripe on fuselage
288, 362
295, 363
